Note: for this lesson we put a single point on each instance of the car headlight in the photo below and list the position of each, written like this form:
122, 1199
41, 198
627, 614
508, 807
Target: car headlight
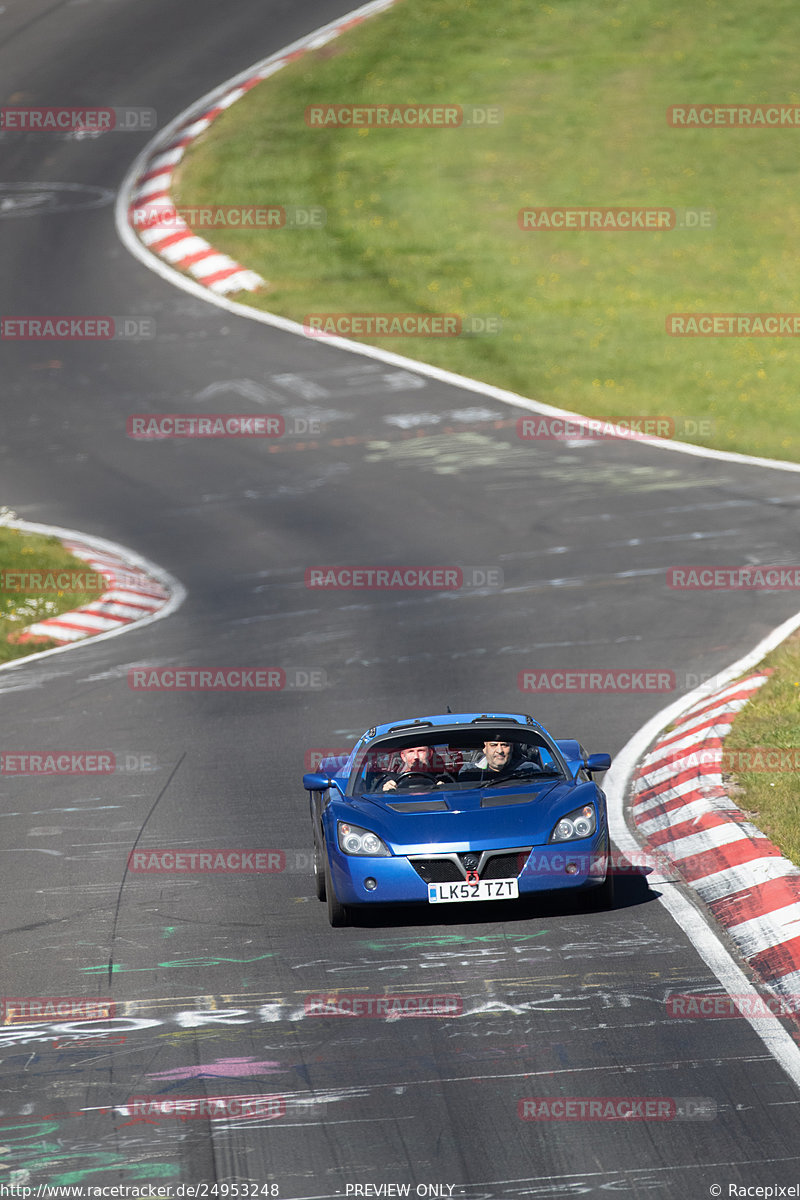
355, 840
578, 824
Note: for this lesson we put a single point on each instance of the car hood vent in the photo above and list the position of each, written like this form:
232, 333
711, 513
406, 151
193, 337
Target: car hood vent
499, 801
419, 806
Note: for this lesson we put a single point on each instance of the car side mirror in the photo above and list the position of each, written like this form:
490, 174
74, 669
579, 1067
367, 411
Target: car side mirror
316, 782
597, 762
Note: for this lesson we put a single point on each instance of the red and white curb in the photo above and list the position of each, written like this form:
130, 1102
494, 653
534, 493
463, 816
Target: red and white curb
139, 592
152, 212
139, 596
681, 808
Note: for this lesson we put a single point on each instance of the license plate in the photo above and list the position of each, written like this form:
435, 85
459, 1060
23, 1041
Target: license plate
485, 889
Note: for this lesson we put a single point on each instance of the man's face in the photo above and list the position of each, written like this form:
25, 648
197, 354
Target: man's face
416, 758
497, 754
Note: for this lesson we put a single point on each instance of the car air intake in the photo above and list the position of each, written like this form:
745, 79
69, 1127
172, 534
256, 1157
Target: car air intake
438, 870
451, 868
420, 806
505, 866
500, 801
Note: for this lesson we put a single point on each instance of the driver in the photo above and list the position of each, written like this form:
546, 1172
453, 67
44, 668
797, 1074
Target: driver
415, 760
500, 760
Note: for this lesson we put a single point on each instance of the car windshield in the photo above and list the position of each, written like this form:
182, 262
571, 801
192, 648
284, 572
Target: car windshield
455, 760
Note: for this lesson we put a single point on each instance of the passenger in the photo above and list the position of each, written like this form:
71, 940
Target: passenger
500, 760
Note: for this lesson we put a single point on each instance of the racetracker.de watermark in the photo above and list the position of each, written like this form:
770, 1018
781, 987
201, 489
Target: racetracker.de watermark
402, 578
338, 324
229, 216
46, 583
755, 759
402, 116
734, 579
631, 219
314, 757
617, 1108
555, 865
596, 679
733, 116
31, 1009
754, 324
761, 759
57, 762
397, 1004
213, 862
67, 583
75, 762
567, 429
77, 120
599, 219
76, 329
187, 1108
707, 681
162, 426
694, 1005
226, 679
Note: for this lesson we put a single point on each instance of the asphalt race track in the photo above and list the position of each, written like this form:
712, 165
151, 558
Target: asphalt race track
210, 972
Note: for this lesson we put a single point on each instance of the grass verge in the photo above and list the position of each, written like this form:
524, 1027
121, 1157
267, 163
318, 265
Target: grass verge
767, 725
32, 553
425, 220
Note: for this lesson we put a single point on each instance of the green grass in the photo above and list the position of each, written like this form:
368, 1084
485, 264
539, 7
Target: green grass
772, 719
26, 552
426, 221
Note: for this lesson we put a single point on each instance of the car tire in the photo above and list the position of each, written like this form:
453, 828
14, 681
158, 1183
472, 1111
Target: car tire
338, 914
601, 899
319, 869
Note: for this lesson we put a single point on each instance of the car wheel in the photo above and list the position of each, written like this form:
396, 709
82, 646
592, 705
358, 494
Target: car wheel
601, 899
338, 914
319, 869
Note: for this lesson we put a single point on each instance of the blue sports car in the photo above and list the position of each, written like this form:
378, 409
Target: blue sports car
458, 808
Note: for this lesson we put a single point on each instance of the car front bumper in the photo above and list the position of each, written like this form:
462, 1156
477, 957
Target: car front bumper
394, 880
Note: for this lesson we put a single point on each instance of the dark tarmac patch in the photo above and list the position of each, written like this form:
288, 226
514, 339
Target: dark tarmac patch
38, 199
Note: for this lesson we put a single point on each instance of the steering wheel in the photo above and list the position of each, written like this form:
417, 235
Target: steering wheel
413, 778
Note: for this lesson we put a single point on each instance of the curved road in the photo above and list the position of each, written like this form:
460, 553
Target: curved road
210, 972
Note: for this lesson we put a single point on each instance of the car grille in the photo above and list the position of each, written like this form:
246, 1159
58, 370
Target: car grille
438, 870
505, 864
